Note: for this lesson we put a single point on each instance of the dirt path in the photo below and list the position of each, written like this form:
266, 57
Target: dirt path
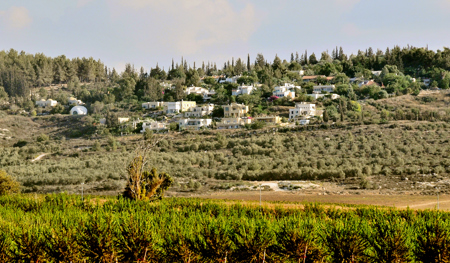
39, 157
429, 204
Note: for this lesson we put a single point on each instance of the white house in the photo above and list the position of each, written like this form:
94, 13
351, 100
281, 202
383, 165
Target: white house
46, 103
426, 81
243, 90
230, 80
207, 94
285, 91
120, 120
303, 122
194, 123
200, 111
376, 73
123, 120
233, 123
325, 88
302, 110
154, 126
179, 106
320, 95
152, 105
235, 110
78, 110
74, 101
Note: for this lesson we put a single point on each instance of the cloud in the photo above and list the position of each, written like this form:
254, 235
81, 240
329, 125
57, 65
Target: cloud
188, 26
15, 18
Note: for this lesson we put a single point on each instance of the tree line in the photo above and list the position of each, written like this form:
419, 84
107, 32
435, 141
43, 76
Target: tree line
20, 72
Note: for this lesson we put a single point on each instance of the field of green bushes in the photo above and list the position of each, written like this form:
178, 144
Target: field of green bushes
319, 152
64, 228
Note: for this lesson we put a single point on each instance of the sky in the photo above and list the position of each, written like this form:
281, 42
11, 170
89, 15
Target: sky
146, 32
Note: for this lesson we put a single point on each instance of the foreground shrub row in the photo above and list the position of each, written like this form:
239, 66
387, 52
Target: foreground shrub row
61, 228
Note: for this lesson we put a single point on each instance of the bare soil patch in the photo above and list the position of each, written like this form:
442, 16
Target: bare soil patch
292, 199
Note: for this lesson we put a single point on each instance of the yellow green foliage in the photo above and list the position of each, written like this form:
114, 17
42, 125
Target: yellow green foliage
7, 184
145, 185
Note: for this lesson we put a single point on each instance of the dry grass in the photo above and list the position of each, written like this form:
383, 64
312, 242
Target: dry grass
292, 199
441, 103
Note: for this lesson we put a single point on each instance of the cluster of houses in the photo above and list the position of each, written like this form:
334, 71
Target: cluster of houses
77, 108
191, 116
188, 115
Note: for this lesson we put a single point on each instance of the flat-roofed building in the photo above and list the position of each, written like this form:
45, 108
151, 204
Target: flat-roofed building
200, 111
303, 110
233, 123
324, 88
194, 123
152, 105
235, 110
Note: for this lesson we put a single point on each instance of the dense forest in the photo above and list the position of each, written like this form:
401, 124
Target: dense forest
21, 72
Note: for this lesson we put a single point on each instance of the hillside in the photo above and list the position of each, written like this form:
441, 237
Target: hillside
386, 157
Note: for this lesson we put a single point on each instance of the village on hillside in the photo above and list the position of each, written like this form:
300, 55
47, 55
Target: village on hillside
160, 116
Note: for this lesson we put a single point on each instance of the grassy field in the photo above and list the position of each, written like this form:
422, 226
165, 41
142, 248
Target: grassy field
64, 228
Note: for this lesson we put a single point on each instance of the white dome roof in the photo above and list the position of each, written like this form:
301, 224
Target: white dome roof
78, 110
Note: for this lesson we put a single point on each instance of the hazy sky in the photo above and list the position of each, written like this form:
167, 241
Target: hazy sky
144, 32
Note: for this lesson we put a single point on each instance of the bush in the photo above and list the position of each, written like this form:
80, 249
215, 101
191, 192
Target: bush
42, 138
7, 184
148, 134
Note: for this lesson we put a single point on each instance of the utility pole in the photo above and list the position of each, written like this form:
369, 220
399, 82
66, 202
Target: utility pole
437, 198
260, 195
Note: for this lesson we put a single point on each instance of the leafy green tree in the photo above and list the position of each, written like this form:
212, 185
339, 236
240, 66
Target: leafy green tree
209, 80
112, 121
58, 109
195, 97
179, 91
177, 73
327, 69
325, 57
127, 87
192, 78
313, 59
43, 93
341, 78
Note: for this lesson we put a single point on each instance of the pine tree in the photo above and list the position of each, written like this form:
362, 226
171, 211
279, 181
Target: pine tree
248, 63
341, 54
